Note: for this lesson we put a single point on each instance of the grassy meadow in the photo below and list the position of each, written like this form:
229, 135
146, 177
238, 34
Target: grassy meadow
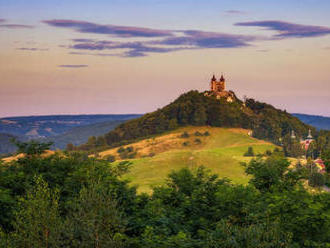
221, 152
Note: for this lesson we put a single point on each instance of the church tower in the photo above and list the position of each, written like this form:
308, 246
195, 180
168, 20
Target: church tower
222, 83
213, 83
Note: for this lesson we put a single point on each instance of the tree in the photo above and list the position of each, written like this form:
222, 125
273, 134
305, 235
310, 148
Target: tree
199, 116
32, 148
93, 219
316, 180
249, 152
269, 173
37, 222
70, 147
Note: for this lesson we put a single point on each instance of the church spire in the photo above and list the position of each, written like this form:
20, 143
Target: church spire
213, 78
309, 134
222, 79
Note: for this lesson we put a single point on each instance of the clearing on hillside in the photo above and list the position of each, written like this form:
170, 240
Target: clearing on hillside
218, 149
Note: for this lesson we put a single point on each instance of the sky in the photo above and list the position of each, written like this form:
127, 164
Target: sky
124, 56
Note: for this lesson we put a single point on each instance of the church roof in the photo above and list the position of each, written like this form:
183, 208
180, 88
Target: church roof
222, 79
214, 78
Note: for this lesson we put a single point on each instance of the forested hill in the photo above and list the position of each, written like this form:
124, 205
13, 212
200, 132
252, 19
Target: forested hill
320, 122
193, 108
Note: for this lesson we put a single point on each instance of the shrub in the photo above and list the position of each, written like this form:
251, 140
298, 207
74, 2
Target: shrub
268, 153
121, 150
110, 158
198, 141
206, 133
129, 149
249, 152
198, 133
185, 135
316, 180
186, 143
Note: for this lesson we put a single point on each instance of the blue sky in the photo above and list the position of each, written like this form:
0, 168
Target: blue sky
85, 55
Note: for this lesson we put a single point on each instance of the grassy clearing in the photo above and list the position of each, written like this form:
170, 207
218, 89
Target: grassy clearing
221, 152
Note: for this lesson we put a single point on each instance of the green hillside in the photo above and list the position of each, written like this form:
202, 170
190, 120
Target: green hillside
222, 152
196, 109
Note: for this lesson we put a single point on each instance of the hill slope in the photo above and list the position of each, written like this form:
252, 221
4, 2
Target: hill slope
320, 122
61, 129
46, 126
222, 152
193, 108
80, 135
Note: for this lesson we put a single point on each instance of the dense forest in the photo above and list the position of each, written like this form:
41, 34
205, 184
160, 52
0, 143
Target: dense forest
72, 200
193, 108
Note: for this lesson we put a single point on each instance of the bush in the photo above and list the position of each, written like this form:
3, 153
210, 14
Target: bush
121, 150
198, 141
185, 135
129, 149
198, 133
206, 133
249, 152
110, 158
186, 143
316, 180
268, 153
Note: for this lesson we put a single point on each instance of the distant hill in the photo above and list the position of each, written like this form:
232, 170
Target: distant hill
80, 135
320, 122
61, 129
196, 109
46, 126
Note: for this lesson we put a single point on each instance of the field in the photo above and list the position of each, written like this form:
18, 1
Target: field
221, 152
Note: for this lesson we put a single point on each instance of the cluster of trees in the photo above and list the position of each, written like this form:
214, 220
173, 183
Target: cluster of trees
193, 108
77, 201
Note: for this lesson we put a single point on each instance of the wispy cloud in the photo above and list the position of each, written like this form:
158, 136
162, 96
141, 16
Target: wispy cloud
32, 49
72, 66
166, 41
289, 30
119, 31
201, 39
235, 12
175, 40
13, 26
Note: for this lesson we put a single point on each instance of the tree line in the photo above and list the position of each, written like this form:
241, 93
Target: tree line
72, 200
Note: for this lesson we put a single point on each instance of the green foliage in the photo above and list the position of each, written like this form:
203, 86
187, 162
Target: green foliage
93, 219
249, 152
206, 133
37, 220
193, 108
78, 201
32, 148
197, 133
186, 143
125, 153
316, 179
110, 158
271, 173
292, 147
185, 135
